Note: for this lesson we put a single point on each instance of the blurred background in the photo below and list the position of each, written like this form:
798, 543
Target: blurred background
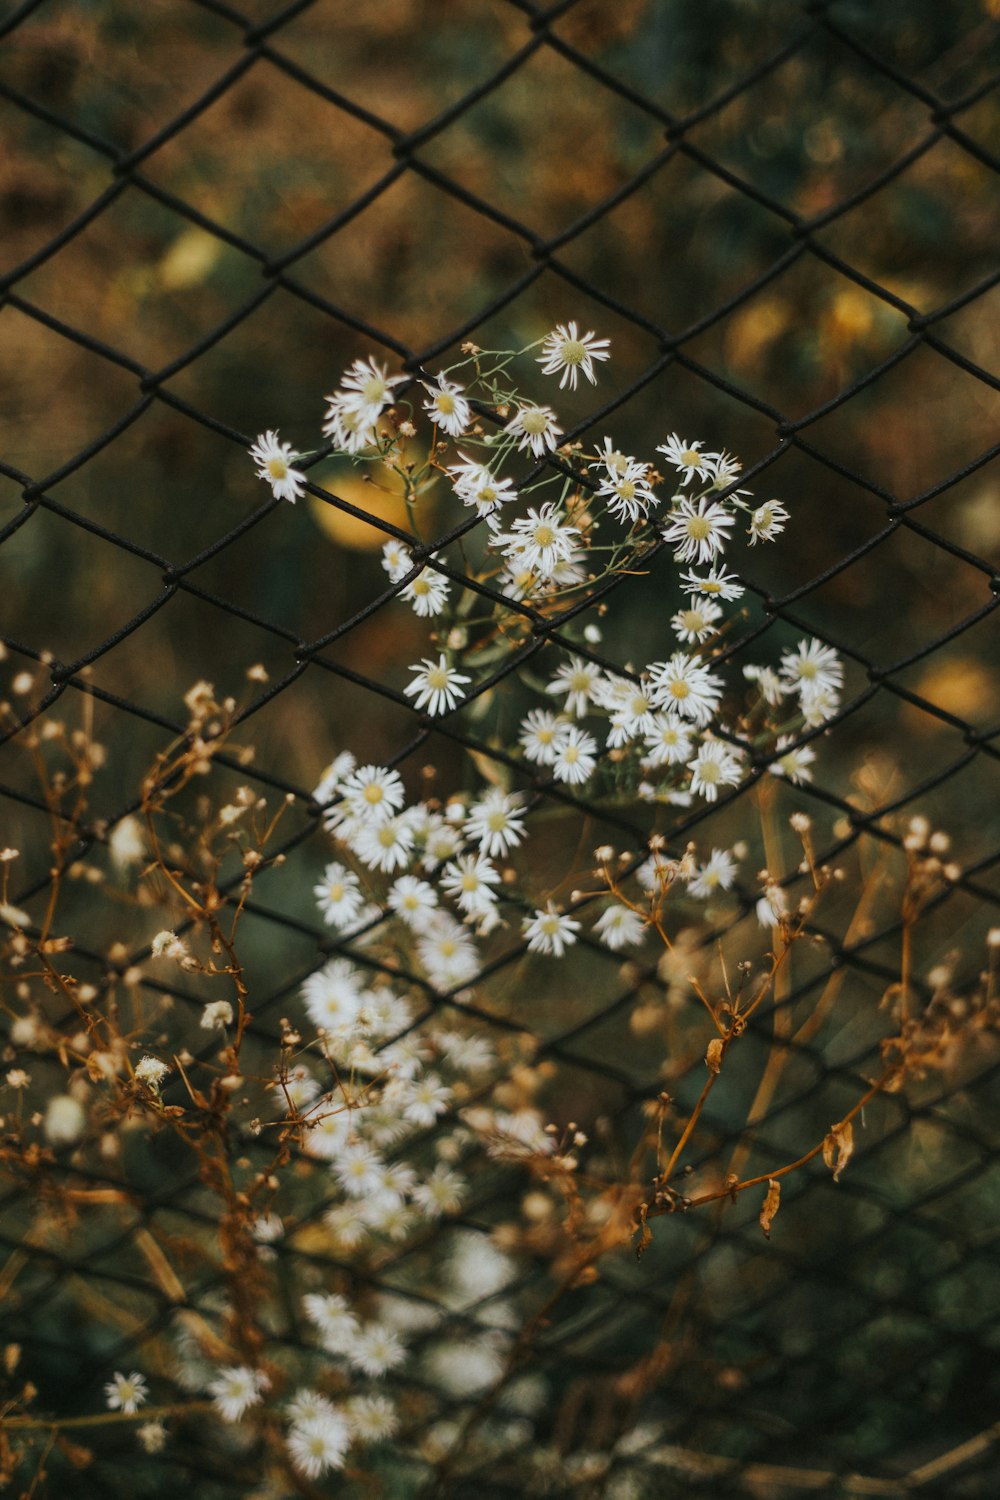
784, 218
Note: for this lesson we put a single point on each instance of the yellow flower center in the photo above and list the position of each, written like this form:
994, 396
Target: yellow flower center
680, 688
544, 536
437, 678
445, 404
373, 793
690, 457
698, 528
277, 468
534, 421
573, 352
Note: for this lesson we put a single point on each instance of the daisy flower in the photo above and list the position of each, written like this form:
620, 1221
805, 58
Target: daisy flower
795, 762
428, 593
468, 880
396, 560
812, 665
669, 741
535, 427
496, 823
612, 459
349, 428
386, 845
723, 469
338, 895
684, 687
425, 1099
767, 522
696, 622
718, 872
771, 687
126, 1393
317, 1444
630, 705
818, 703
411, 899
717, 584
579, 679
436, 686
372, 1418
334, 995
475, 485
274, 463
540, 734
377, 1350
575, 756
570, 351
337, 1327
698, 529
686, 457
373, 793
329, 783
447, 953
366, 389
441, 1193
714, 765
448, 407
628, 493
620, 927
235, 1389
550, 931
540, 540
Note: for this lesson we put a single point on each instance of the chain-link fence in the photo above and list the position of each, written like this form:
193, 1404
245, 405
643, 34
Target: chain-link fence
781, 214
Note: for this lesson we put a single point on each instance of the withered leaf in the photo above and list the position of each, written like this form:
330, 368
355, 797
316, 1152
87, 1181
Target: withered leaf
713, 1055
770, 1205
838, 1148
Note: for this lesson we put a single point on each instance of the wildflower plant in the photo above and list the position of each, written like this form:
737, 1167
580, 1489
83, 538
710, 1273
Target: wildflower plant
349, 1136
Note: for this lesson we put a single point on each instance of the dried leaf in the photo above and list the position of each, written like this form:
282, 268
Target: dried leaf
770, 1205
713, 1056
645, 1233
838, 1148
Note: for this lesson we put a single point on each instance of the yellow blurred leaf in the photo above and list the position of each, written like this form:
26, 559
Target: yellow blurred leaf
353, 532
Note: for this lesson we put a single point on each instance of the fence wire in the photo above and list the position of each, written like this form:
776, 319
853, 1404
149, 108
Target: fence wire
856, 1362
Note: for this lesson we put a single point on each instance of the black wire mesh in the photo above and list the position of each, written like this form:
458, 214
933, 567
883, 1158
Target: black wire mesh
854, 1360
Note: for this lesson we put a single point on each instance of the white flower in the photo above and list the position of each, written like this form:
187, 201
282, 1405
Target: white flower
377, 1350
427, 593
630, 705
334, 995
396, 559
448, 407
468, 881
151, 1071
126, 1393
718, 871
447, 953
771, 687
570, 351
539, 541
436, 685
366, 389
349, 428
715, 765
440, 1193
336, 1325
319, 1443
687, 457
540, 734
818, 702
235, 1389
669, 741
812, 665
686, 688
373, 793
339, 895
127, 842
628, 494
387, 845
328, 1133
579, 680
535, 427
359, 1170
772, 908
475, 485
371, 1418
411, 899
329, 783
795, 762
424, 1099
575, 756
274, 463
767, 522
550, 931
717, 584
698, 529
300, 1087
619, 926
496, 823
696, 622
168, 945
